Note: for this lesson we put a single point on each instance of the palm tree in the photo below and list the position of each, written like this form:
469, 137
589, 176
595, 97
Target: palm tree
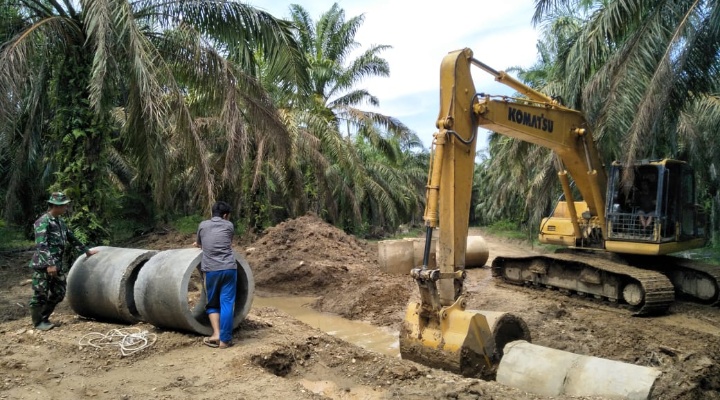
151, 79
532, 172
699, 124
351, 166
637, 68
636, 65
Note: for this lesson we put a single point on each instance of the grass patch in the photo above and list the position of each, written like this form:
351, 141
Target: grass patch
418, 231
712, 255
508, 229
709, 254
123, 229
187, 225
13, 237
412, 232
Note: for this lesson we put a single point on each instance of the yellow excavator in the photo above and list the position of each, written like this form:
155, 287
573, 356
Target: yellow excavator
616, 238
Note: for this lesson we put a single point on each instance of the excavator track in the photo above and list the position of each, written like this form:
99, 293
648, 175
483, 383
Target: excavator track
644, 292
692, 278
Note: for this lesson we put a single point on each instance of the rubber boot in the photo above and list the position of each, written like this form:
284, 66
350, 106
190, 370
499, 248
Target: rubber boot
37, 319
47, 310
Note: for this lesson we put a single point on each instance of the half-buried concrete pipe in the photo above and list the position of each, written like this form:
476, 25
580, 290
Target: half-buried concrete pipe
162, 291
101, 286
550, 372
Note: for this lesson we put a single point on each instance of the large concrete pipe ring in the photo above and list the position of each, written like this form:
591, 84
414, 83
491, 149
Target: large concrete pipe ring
505, 328
401, 255
550, 372
396, 256
161, 291
477, 253
419, 252
102, 286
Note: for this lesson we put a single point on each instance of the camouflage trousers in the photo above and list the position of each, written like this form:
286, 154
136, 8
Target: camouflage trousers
48, 289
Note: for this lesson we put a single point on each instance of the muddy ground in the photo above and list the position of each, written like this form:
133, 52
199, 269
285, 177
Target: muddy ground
276, 356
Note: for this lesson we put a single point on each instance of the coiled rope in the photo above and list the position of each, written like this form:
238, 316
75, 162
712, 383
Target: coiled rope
129, 340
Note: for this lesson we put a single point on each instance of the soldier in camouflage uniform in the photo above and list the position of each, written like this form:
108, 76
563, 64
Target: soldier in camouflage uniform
49, 274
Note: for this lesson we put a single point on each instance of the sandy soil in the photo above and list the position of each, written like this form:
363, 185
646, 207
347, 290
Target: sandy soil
276, 356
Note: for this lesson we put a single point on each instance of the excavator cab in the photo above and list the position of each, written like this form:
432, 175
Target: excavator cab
655, 209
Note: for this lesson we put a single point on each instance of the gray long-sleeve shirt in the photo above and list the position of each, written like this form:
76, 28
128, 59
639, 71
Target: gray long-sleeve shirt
215, 237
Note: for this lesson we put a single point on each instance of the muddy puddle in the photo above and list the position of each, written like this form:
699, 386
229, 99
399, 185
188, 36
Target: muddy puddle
380, 340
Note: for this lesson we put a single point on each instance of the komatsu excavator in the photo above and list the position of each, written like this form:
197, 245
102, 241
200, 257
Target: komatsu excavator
616, 237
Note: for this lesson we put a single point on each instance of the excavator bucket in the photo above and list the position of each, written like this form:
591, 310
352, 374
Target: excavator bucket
457, 340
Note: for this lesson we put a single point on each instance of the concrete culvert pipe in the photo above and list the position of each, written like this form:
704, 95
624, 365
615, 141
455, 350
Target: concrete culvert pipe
102, 286
419, 252
171, 277
550, 372
505, 328
396, 256
477, 252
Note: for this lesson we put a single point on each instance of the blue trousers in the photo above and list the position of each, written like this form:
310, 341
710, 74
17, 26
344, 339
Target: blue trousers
221, 287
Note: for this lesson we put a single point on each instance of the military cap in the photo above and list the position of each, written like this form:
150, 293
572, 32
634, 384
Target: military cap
58, 198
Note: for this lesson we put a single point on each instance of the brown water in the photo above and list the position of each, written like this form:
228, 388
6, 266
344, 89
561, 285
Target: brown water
363, 334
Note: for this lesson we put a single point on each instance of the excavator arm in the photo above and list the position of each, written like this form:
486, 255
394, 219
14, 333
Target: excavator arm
451, 174
438, 330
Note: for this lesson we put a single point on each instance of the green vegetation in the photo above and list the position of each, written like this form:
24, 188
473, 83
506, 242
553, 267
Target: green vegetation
512, 230
709, 254
187, 225
13, 238
506, 228
406, 232
148, 112
121, 230
155, 100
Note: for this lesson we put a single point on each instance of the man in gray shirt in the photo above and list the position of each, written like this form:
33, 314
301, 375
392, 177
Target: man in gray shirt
219, 269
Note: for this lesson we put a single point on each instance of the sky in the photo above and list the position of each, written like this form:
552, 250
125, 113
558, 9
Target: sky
500, 34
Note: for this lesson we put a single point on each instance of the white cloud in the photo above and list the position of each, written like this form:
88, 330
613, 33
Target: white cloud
421, 33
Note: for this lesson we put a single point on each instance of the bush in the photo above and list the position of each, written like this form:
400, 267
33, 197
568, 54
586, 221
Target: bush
508, 229
13, 237
187, 224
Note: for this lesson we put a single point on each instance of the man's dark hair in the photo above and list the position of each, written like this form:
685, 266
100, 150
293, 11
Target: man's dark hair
220, 208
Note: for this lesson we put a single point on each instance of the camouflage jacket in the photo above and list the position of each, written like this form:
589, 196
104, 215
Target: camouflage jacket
51, 238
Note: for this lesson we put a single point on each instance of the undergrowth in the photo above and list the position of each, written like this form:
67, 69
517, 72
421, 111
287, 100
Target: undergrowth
13, 237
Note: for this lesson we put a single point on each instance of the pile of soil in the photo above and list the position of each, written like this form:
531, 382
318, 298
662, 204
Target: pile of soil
309, 257
278, 356
306, 256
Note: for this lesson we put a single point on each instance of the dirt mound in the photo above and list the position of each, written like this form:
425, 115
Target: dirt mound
307, 256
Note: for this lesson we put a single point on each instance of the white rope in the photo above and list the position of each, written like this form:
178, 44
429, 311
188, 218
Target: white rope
129, 340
